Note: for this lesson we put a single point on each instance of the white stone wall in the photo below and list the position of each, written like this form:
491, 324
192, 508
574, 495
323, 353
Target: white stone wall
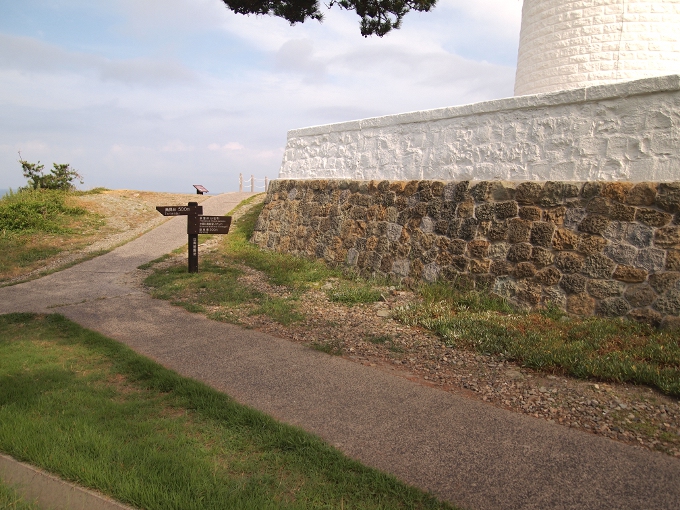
576, 43
623, 132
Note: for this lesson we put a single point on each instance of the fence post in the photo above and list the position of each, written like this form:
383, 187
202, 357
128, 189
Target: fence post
266, 183
240, 183
252, 183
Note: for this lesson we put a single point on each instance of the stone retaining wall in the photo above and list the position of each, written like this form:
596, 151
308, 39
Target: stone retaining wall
601, 248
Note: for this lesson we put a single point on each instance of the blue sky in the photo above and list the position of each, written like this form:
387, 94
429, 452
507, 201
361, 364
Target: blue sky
163, 94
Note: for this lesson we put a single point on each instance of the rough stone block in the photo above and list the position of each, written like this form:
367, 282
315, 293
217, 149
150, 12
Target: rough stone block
569, 262
460, 263
612, 307
630, 274
498, 231
519, 252
573, 217
642, 194
555, 215
616, 231
573, 283
518, 230
498, 251
594, 224
485, 212
601, 289
621, 253
652, 259
524, 270
667, 237
352, 257
466, 209
645, 316
541, 257
669, 303
668, 196
394, 232
548, 276
580, 304
599, 205
661, 282
555, 193
541, 234
431, 272
639, 235
479, 266
554, 296
530, 213
505, 210
640, 295
564, 239
528, 193
479, 248
652, 217
505, 287
620, 212
618, 191
500, 267
598, 266
528, 293
673, 260
591, 189
591, 245
466, 230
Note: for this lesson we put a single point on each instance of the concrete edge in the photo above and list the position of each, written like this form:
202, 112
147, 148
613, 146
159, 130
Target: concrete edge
656, 84
48, 491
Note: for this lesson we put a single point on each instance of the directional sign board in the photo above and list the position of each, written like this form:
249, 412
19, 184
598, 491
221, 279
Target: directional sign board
214, 224
200, 189
200, 224
179, 210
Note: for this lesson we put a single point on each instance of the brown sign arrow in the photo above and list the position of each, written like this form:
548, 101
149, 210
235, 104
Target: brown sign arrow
179, 210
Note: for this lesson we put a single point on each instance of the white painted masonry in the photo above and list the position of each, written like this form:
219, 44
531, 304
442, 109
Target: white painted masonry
577, 43
627, 131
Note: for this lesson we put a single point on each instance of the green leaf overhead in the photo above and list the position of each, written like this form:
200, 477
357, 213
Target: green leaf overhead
378, 17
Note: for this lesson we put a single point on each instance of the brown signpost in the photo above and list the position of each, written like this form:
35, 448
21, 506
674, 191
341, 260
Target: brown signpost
196, 224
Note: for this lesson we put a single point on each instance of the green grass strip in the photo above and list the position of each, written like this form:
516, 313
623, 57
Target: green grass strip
94, 412
11, 500
591, 348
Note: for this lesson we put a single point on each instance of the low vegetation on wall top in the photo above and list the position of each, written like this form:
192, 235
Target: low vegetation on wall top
611, 249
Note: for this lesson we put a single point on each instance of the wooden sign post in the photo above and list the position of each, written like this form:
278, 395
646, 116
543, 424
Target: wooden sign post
196, 224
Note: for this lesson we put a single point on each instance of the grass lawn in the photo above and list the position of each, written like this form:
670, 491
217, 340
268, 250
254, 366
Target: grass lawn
92, 411
37, 225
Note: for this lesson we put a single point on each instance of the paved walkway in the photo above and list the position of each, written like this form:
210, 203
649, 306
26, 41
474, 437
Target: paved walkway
465, 451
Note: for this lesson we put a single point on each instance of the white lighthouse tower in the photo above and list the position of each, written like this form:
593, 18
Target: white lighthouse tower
566, 44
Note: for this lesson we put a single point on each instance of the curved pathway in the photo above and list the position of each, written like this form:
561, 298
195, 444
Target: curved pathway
464, 451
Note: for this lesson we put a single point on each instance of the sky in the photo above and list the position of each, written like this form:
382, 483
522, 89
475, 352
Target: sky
162, 94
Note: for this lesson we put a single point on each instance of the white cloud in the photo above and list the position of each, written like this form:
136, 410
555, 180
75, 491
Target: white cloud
231, 146
29, 55
177, 146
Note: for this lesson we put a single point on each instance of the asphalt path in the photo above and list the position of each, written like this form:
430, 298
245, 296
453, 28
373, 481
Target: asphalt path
465, 451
